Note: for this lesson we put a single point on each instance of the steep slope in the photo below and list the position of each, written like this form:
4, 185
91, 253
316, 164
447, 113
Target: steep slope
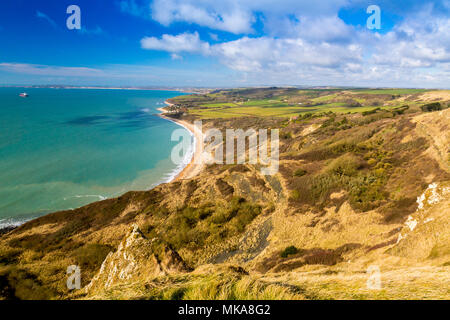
436, 128
425, 234
346, 192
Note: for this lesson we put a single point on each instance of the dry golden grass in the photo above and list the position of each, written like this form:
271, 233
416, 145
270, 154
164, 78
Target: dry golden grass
437, 95
400, 284
435, 127
322, 283
330, 230
217, 286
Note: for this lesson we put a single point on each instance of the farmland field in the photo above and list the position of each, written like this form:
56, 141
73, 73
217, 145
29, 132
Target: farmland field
289, 102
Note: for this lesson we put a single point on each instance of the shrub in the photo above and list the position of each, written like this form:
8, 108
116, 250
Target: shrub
300, 172
366, 113
353, 104
245, 215
289, 251
295, 194
372, 162
17, 283
435, 106
346, 165
399, 110
331, 151
375, 102
9, 255
221, 216
329, 122
365, 190
92, 255
285, 135
148, 230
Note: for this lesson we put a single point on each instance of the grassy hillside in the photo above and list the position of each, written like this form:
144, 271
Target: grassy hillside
370, 187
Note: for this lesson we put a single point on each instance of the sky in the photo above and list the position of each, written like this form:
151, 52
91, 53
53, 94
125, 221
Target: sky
226, 43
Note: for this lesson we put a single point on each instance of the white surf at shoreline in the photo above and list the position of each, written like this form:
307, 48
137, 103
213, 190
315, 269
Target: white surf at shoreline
186, 160
12, 222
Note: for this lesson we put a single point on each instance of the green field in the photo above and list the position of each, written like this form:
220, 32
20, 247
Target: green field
274, 111
288, 102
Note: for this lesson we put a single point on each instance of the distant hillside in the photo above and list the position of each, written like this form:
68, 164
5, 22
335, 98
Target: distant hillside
288, 102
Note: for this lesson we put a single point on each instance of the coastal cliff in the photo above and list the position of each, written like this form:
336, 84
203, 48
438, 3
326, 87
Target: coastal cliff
345, 198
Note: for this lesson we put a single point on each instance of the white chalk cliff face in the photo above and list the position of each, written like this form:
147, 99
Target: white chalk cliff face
426, 232
137, 259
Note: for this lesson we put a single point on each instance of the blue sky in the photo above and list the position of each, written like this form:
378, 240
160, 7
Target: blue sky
225, 43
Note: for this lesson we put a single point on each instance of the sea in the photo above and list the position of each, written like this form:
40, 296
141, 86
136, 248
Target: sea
64, 148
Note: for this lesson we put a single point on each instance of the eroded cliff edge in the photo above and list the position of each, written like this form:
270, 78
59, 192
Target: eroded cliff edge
346, 197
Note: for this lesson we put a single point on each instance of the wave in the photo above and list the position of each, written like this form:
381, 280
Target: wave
87, 196
16, 221
186, 160
12, 222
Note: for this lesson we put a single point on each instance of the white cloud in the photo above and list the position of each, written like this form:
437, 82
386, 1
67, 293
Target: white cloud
419, 41
314, 45
284, 55
45, 17
304, 42
220, 15
185, 42
175, 56
45, 70
238, 16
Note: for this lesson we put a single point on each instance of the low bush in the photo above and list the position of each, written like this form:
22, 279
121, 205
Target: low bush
435, 106
289, 251
300, 172
18, 283
9, 255
91, 255
346, 165
295, 194
400, 110
366, 113
285, 135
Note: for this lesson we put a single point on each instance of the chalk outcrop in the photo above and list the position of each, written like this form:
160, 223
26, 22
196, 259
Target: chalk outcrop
136, 259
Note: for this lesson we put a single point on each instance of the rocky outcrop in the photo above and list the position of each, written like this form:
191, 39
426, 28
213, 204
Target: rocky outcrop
137, 259
425, 233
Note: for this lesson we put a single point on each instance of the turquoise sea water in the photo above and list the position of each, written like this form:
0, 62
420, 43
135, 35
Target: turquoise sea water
64, 148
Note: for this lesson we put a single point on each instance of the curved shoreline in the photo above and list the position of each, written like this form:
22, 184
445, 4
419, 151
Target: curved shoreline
195, 164
191, 169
